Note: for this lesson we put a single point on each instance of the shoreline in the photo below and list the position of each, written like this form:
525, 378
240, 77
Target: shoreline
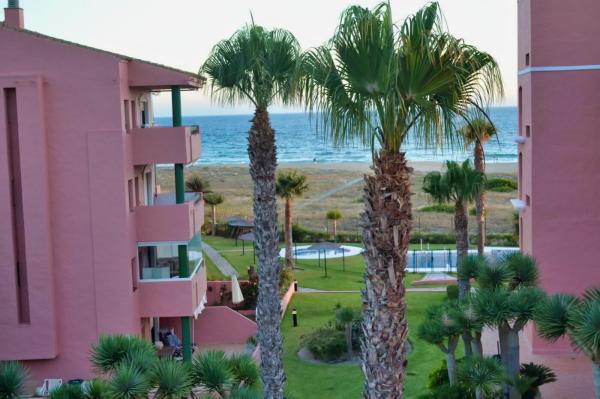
418, 166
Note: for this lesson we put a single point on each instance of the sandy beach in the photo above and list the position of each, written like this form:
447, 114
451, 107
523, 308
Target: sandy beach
339, 186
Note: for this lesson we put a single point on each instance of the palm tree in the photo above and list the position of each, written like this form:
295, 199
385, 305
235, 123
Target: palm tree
14, 378
172, 379
290, 185
579, 319
483, 375
442, 329
197, 184
334, 215
260, 66
460, 184
214, 199
226, 377
477, 132
379, 84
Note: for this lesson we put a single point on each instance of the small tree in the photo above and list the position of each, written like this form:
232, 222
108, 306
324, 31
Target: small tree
226, 377
288, 186
345, 316
197, 184
442, 329
460, 184
334, 215
577, 318
214, 199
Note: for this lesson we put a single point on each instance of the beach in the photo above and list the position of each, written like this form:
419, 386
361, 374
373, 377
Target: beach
339, 186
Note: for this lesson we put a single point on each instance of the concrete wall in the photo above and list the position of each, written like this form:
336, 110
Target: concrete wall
560, 162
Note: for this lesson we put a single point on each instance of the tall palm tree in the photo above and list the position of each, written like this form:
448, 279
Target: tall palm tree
290, 185
460, 184
378, 84
477, 132
334, 215
577, 318
214, 199
259, 66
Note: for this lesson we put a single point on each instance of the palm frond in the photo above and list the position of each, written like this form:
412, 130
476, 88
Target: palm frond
291, 184
523, 269
128, 382
493, 276
469, 266
553, 316
172, 379
585, 333
482, 374
244, 369
211, 370
14, 379
214, 199
458, 183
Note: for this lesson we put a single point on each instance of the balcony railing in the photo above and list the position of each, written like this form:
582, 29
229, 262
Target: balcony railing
166, 220
165, 145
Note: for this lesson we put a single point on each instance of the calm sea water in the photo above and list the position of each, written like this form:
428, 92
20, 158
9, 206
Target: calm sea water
224, 140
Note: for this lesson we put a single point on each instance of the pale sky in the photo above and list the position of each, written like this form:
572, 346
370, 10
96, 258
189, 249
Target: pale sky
181, 33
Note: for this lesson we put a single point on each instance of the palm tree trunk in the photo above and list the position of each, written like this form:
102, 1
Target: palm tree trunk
451, 360
480, 201
214, 220
476, 344
289, 259
479, 394
263, 161
334, 229
468, 341
513, 360
386, 223
503, 331
596, 370
461, 229
349, 339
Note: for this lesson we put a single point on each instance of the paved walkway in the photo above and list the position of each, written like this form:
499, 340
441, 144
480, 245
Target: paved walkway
303, 290
222, 264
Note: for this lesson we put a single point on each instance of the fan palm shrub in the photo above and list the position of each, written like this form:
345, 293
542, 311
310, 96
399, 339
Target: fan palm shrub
96, 389
460, 184
68, 391
113, 350
172, 379
214, 200
226, 377
538, 375
197, 184
259, 66
482, 375
578, 319
476, 133
289, 186
14, 380
129, 382
333, 215
379, 83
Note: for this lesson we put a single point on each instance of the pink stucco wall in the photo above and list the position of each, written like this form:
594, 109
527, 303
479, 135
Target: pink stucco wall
76, 159
560, 163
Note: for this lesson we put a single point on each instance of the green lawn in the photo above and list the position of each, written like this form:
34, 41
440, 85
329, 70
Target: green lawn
212, 271
305, 380
309, 273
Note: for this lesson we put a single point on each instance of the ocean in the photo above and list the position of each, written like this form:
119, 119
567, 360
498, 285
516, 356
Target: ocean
224, 140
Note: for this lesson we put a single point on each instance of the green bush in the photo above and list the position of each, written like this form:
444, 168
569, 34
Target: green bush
440, 208
326, 343
452, 291
448, 392
287, 277
501, 185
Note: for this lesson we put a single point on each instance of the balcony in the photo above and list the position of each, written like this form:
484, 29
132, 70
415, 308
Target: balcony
167, 221
165, 145
162, 292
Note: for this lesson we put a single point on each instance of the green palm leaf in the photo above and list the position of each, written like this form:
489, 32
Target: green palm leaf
553, 316
211, 370
483, 374
172, 379
244, 370
14, 378
128, 382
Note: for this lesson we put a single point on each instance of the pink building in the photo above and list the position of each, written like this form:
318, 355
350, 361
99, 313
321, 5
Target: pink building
87, 245
559, 162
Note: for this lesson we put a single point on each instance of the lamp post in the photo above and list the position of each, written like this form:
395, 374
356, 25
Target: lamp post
294, 317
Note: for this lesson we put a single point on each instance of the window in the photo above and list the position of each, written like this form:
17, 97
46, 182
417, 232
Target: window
127, 115
520, 111
521, 232
130, 195
134, 273
527, 59
527, 200
520, 172
133, 114
528, 131
138, 197
16, 199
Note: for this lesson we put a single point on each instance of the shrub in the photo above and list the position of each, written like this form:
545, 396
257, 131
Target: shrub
326, 343
68, 391
501, 185
14, 378
448, 392
440, 208
452, 292
287, 277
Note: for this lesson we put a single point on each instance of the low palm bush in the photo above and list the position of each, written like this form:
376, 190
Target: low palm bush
226, 377
438, 208
501, 185
326, 343
14, 379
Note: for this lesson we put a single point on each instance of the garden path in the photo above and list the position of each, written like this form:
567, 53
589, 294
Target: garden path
219, 261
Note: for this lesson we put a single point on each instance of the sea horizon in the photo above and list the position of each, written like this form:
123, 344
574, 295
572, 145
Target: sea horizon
298, 141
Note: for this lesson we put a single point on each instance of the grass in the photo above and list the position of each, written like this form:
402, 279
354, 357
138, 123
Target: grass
309, 273
305, 380
212, 271
440, 208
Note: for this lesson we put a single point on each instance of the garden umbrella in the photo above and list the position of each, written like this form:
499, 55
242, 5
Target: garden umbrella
236, 291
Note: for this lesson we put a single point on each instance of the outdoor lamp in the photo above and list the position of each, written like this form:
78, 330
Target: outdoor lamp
294, 317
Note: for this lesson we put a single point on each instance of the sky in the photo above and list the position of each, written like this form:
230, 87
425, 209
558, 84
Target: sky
181, 33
